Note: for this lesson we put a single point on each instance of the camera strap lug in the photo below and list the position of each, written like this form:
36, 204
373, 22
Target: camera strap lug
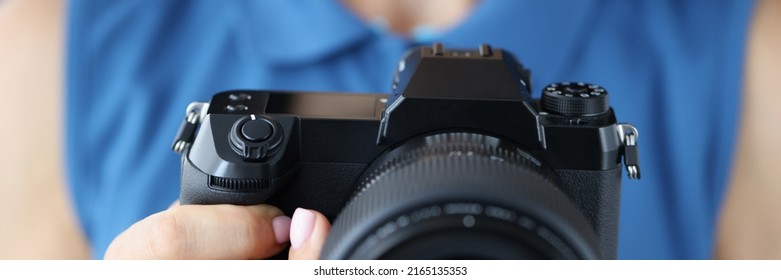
628, 135
193, 117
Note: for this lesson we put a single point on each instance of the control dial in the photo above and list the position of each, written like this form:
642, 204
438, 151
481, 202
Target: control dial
255, 137
575, 99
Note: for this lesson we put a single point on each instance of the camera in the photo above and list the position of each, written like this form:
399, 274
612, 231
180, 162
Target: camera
458, 161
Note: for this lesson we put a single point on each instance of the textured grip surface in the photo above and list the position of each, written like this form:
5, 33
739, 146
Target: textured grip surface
598, 195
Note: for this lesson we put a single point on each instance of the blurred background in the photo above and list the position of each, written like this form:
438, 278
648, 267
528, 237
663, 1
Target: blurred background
38, 220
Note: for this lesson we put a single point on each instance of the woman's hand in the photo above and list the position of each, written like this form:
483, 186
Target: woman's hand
222, 232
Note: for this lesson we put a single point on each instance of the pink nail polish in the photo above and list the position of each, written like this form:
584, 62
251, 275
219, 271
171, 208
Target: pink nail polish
301, 227
281, 226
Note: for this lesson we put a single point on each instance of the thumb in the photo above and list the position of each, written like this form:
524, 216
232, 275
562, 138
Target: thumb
308, 230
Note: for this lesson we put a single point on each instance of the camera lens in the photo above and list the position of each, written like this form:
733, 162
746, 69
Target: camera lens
459, 196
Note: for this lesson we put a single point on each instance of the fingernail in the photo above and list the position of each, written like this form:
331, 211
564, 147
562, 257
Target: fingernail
281, 226
301, 227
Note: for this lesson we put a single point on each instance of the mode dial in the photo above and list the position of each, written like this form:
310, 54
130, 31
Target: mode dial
575, 99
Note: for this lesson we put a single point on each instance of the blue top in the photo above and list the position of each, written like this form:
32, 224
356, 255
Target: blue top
673, 69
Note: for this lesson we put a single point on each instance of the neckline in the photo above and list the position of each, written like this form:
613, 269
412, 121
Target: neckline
421, 34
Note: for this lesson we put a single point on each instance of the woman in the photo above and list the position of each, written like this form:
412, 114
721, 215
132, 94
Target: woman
696, 78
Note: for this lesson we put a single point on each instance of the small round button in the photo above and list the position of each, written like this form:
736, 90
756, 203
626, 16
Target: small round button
257, 130
236, 108
239, 96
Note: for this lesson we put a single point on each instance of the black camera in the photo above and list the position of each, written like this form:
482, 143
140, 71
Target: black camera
458, 161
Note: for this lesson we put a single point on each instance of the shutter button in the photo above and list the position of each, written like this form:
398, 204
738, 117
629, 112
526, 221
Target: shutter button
257, 130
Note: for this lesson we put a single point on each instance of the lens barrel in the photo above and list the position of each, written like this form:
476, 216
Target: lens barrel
460, 196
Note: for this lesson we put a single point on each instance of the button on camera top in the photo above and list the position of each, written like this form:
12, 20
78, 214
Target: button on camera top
257, 130
236, 107
236, 100
239, 96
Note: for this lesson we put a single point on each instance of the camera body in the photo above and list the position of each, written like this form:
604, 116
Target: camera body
318, 150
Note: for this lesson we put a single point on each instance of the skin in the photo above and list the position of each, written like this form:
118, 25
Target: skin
37, 220
205, 232
750, 225
403, 15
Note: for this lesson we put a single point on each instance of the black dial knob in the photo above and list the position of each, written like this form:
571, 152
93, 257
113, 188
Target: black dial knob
255, 137
575, 99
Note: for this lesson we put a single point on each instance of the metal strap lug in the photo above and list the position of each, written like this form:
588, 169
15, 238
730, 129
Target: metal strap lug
628, 135
193, 117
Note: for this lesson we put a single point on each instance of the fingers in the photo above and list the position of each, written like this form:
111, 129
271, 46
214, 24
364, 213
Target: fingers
205, 232
308, 230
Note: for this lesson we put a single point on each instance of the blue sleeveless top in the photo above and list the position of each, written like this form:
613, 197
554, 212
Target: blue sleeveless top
673, 69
